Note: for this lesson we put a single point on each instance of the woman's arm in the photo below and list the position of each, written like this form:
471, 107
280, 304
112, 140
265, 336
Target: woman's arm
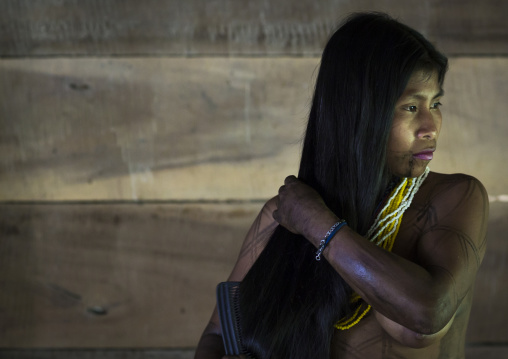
211, 345
423, 295
408, 337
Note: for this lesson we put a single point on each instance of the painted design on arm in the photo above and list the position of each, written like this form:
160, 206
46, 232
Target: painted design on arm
453, 239
255, 241
259, 238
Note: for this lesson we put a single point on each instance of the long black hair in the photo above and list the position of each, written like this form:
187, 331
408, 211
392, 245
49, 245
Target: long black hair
289, 302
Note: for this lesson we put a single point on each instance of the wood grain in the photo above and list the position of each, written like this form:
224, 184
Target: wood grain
202, 128
487, 352
98, 353
228, 27
488, 316
143, 276
139, 112
114, 276
99, 129
472, 352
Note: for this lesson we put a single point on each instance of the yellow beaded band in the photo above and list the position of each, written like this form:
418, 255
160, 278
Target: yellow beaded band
383, 232
347, 323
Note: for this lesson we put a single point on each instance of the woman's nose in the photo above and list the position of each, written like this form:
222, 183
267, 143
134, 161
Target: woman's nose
428, 125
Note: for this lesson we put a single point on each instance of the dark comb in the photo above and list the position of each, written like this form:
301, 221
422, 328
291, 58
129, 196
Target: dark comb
229, 315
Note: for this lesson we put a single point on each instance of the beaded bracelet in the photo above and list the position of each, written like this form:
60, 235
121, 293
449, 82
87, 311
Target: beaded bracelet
328, 237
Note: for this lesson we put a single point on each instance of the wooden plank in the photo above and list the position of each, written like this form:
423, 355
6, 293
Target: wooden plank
143, 276
225, 27
475, 129
488, 316
482, 352
476, 352
487, 352
97, 353
114, 276
150, 128
201, 128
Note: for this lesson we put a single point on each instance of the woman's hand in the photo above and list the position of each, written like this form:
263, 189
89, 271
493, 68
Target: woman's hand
301, 210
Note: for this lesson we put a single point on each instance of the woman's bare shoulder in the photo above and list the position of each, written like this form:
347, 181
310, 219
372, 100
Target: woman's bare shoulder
452, 180
454, 189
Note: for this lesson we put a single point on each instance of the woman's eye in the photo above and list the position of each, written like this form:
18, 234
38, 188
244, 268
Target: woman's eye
436, 105
411, 108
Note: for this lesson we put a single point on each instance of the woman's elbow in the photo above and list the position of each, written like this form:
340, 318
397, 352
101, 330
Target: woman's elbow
417, 340
434, 319
411, 338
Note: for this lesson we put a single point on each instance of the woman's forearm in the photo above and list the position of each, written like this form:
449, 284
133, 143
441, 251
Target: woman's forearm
400, 289
210, 347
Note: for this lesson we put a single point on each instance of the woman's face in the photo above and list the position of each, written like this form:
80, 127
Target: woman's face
416, 126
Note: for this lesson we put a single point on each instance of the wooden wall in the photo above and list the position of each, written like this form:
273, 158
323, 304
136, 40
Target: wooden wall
138, 140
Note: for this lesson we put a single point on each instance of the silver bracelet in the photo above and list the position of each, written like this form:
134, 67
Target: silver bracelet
328, 236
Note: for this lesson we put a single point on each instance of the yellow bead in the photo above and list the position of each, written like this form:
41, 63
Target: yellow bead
391, 208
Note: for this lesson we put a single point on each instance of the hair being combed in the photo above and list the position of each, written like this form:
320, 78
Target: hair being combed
289, 302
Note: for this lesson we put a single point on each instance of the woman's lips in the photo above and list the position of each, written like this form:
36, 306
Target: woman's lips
424, 155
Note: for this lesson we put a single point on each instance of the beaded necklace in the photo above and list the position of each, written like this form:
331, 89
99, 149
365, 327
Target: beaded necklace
384, 231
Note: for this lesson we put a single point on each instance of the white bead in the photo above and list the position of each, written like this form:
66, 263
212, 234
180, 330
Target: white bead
380, 224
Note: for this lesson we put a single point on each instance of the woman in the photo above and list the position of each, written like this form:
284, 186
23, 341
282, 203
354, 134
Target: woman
372, 130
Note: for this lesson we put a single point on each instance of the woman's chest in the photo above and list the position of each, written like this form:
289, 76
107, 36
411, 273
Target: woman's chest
411, 229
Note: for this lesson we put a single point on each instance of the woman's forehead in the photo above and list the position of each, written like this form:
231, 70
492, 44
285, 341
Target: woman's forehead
423, 84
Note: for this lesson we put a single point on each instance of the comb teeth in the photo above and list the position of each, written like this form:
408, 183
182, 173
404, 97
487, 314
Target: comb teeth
229, 315
227, 305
